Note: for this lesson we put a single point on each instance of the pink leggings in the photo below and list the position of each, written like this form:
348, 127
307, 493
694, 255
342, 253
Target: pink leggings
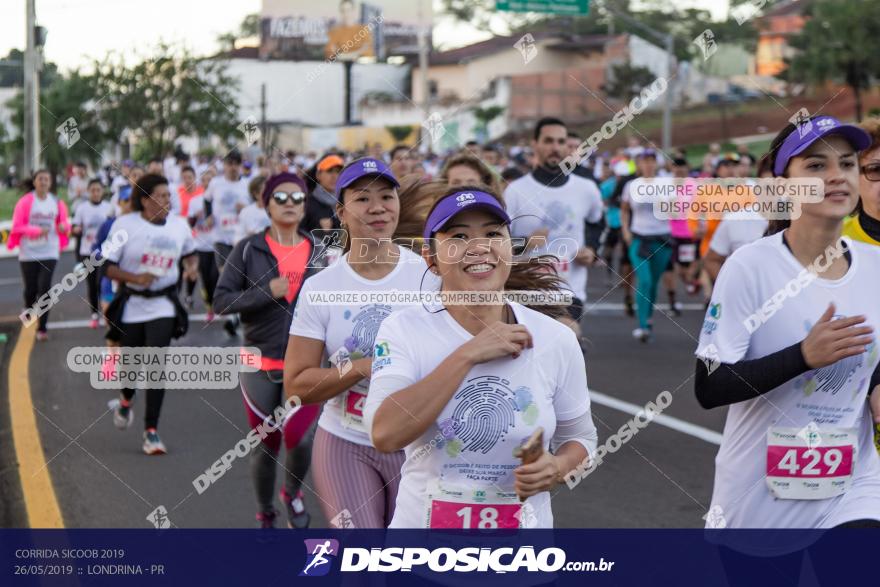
356, 484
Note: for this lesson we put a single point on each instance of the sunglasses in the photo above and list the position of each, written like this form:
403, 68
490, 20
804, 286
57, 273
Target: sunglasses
871, 172
282, 198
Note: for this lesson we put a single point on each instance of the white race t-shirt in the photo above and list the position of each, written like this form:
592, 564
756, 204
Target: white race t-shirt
251, 220
204, 236
353, 327
736, 230
41, 247
91, 216
150, 248
833, 397
468, 451
226, 197
644, 222
563, 210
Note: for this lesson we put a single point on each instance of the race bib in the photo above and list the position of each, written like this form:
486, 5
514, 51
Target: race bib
458, 508
353, 410
562, 267
810, 464
687, 253
157, 261
89, 238
228, 221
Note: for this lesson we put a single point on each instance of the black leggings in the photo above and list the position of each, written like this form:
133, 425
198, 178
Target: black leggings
153, 333
93, 286
209, 274
37, 277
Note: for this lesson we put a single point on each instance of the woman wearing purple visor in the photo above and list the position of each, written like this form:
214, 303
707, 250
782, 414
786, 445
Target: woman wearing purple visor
487, 379
355, 483
788, 344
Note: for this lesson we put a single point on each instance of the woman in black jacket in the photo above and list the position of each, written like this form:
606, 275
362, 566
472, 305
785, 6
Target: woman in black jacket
261, 282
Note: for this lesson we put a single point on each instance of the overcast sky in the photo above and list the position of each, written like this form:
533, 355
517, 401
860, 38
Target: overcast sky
82, 30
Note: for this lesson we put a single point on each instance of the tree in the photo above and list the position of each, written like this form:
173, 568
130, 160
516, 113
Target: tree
840, 42
484, 116
170, 95
249, 27
627, 81
68, 103
12, 70
399, 132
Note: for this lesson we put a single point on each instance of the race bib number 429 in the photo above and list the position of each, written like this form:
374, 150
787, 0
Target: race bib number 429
818, 465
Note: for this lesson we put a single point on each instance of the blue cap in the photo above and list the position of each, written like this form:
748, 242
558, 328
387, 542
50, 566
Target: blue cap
810, 131
450, 206
363, 168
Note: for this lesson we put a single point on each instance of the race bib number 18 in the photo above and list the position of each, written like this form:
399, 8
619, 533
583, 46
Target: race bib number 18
472, 509
815, 465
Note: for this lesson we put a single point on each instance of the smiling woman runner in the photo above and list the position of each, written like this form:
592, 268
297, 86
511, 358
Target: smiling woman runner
356, 484
796, 356
461, 400
261, 282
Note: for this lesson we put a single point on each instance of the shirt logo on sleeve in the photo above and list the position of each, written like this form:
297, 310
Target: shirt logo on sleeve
715, 311
380, 356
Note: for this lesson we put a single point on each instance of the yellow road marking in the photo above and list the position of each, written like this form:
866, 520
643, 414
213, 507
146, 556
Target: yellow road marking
36, 484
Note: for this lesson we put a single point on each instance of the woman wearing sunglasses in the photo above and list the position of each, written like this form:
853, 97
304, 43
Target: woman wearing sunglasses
789, 344
463, 399
357, 483
261, 282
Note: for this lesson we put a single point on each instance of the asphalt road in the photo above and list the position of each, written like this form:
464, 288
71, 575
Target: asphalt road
662, 478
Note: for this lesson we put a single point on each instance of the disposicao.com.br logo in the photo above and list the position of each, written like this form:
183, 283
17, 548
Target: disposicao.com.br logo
321, 552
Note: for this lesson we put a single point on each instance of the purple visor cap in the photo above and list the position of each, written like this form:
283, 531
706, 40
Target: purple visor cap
810, 131
452, 204
362, 168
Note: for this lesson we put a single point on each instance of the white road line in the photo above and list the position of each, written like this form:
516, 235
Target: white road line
70, 324
709, 436
10, 281
608, 306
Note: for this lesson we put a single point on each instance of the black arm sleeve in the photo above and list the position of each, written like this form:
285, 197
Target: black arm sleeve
875, 379
730, 384
593, 233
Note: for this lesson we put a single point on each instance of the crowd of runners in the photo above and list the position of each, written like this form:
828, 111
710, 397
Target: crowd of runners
474, 424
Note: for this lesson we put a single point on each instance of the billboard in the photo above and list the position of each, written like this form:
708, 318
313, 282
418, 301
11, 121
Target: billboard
343, 30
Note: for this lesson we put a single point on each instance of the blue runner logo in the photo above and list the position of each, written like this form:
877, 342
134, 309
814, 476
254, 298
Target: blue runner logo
319, 554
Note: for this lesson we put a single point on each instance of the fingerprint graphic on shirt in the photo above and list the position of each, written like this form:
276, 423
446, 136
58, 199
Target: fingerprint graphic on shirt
832, 378
484, 412
366, 326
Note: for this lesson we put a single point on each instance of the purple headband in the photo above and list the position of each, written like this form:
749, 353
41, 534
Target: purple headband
810, 131
276, 180
451, 205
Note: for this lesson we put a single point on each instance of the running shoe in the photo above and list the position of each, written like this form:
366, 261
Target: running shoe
297, 516
642, 334
93, 323
123, 416
628, 303
152, 444
267, 519
42, 336
675, 309
230, 327
209, 316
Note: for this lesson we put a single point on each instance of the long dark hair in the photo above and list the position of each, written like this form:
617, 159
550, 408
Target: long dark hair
532, 274
29, 184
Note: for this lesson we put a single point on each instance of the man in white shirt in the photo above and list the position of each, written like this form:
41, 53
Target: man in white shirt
736, 229
560, 214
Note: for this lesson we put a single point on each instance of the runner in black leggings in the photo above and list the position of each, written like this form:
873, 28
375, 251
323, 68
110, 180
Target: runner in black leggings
146, 311
261, 283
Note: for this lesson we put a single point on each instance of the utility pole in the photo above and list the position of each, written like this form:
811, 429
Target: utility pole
668, 41
423, 72
263, 128
31, 94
